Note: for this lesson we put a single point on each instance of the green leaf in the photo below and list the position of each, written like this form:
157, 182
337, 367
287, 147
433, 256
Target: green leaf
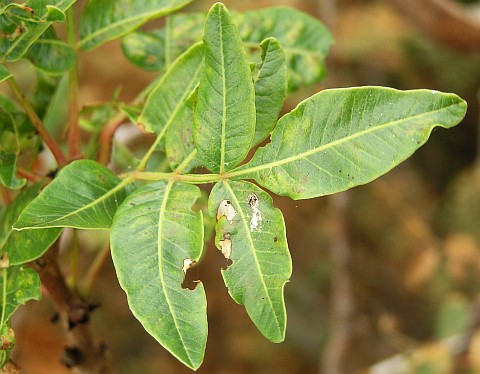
259, 252
149, 50
8, 171
225, 112
84, 195
105, 20
29, 28
341, 138
166, 98
55, 14
154, 231
4, 74
179, 144
51, 54
305, 40
270, 88
26, 245
21, 285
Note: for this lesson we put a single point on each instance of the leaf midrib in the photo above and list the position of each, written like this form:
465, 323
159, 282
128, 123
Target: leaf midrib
147, 16
161, 216
105, 196
323, 147
252, 244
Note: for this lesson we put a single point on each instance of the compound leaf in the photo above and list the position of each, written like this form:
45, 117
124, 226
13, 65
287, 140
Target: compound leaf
341, 138
154, 231
255, 236
84, 195
105, 20
225, 111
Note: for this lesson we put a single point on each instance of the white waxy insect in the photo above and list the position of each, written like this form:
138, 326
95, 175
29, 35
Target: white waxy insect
225, 208
253, 204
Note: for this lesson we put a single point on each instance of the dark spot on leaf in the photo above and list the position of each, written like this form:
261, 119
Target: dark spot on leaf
133, 204
275, 239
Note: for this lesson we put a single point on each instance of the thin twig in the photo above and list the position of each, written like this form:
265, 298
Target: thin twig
106, 135
28, 175
37, 123
73, 122
95, 269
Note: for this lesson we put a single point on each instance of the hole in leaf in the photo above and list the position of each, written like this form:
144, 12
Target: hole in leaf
190, 278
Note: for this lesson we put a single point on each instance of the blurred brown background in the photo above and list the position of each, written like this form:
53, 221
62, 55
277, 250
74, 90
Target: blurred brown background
385, 269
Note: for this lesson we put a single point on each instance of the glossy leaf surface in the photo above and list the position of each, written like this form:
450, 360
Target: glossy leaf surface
225, 111
84, 195
341, 138
26, 245
154, 231
261, 261
105, 20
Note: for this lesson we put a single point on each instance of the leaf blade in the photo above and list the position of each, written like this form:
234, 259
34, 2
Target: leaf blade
225, 112
158, 223
341, 138
84, 195
270, 88
105, 20
259, 251
169, 94
26, 245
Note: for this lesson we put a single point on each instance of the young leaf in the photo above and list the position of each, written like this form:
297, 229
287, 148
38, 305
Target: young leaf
225, 112
179, 139
26, 245
4, 74
172, 90
259, 252
270, 88
84, 195
341, 138
8, 171
154, 231
105, 20
30, 28
305, 40
21, 285
51, 54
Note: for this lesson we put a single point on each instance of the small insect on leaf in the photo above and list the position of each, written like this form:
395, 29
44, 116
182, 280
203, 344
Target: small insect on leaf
255, 212
225, 208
